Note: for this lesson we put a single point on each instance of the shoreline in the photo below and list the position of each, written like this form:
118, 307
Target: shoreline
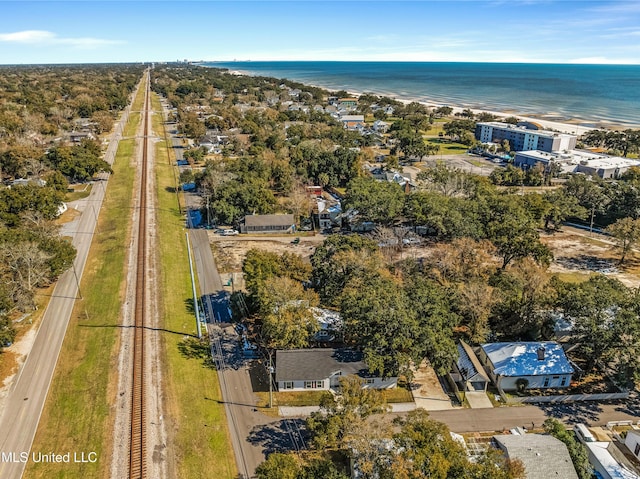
548, 121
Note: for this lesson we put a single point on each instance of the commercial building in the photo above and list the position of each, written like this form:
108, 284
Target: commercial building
522, 138
576, 161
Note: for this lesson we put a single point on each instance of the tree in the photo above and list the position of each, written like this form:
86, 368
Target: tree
516, 236
279, 466
523, 290
340, 416
376, 201
434, 324
563, 206
590, 193
425, 448
577, 450
594, 306
288, 321
379, 319
339, 259
626, 232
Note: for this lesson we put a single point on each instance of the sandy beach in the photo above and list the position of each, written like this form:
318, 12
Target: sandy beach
575, 126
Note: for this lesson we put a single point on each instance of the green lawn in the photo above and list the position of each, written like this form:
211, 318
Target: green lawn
196, 419
79, 192
132, 125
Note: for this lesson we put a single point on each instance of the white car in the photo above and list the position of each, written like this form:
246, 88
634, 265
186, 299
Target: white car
229, 232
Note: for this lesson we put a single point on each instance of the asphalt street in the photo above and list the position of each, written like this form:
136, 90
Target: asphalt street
25, 401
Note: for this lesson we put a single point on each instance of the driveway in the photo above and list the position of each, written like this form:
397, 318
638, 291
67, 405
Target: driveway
427, 391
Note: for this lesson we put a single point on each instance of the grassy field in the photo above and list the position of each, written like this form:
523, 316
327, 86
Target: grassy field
132, 124
78, 413
196, 422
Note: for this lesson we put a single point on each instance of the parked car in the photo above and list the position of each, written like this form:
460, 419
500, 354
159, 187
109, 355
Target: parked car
229, 232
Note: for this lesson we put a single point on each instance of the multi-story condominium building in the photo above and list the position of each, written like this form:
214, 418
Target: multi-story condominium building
522, 138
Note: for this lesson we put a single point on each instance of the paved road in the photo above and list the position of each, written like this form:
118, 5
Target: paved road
25, 401
253, 434
590, 412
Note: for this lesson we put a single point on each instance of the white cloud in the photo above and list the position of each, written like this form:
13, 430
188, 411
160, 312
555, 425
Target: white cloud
43, 37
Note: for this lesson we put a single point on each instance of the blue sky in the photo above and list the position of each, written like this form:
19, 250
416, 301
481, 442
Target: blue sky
562, 31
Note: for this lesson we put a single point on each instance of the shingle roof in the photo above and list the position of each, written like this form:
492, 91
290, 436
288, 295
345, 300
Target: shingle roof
314, 364
544, 457
269, 220
521, 359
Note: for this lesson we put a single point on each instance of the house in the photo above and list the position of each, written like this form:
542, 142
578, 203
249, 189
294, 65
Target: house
325, 215
330, 323
352, 122
468, 370
380, 126
609, 462
348, 103
314, 191
268, 224
78, 136
543, 456
321, 368
632, 441
531, 365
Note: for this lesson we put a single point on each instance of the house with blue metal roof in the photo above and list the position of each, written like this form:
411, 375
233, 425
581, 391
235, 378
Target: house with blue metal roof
536, 365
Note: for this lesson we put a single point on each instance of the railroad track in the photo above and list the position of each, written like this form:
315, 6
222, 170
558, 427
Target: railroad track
137, 447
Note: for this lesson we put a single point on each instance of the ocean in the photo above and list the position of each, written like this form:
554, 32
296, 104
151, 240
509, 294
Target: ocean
594, 94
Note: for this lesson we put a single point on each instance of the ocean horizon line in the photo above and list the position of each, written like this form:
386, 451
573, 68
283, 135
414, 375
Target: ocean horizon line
592, 96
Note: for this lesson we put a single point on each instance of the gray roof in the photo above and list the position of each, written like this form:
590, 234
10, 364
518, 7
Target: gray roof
468, 363
316, 364
269, 220
544, 457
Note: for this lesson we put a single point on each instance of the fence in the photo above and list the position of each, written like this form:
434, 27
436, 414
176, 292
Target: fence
565, 398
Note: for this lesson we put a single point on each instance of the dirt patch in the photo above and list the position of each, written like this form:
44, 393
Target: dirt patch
579, 254
229, 254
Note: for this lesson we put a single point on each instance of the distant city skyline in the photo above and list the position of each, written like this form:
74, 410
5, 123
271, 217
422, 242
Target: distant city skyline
519, 31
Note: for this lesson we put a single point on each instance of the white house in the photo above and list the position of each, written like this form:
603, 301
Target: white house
609, 462
322, 368
632, 441
538, 365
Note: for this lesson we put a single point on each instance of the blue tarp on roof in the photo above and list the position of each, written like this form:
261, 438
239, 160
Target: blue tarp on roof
182, 163
521, 359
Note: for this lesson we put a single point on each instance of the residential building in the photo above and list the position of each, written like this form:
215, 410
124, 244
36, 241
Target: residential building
330, 323
632, 441
576, 161
609, 462
468, 370
543, 456
268, 224
537, 365
322, 368
523, 139
347, 103
352, 122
